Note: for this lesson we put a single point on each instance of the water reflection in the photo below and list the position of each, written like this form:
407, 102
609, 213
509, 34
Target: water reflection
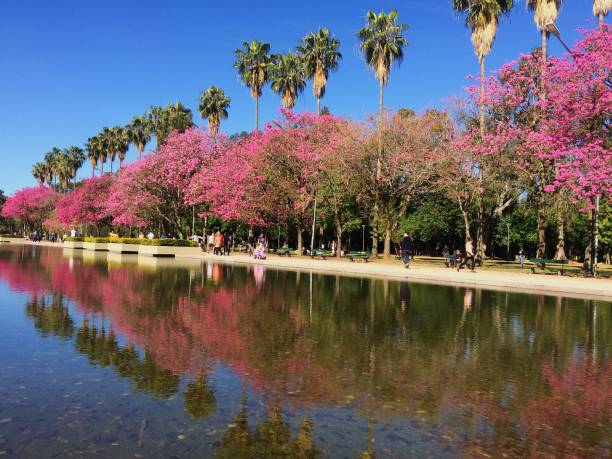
329, 365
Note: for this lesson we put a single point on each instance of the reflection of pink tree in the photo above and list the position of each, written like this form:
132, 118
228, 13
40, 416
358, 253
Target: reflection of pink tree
579, 404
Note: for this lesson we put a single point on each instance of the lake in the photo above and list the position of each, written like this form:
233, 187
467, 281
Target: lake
120, 356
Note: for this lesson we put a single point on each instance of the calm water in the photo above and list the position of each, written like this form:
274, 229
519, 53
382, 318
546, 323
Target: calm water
116, 356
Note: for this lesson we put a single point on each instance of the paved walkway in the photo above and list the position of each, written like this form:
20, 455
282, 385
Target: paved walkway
495, 280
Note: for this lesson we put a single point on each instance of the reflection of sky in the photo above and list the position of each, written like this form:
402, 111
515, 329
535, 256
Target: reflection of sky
46, 386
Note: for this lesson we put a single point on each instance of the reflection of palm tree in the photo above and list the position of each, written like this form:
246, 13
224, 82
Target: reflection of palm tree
272, 438
199, 398
51, 319
237, 441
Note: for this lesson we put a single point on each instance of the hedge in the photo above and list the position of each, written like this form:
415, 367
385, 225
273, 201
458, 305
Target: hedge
136, 241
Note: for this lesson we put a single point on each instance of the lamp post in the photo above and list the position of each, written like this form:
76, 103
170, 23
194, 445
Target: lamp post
554, 30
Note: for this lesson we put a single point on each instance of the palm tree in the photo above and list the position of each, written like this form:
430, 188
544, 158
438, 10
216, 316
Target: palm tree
319, 53
601, 9
51, 159
288, 79
76, 157
122, 142
63, 169
107, 138
93, 153
139, 132
213, 106
39, 172
482, 16
382, 43
164, 121
253, 64
545, 12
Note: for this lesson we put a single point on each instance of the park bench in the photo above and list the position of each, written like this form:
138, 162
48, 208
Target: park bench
284, 251
365, 256
321, 254
542, 262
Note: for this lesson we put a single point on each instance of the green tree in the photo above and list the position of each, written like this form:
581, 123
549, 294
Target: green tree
320, 55
253, 64
213, 107
288, 79
382, 43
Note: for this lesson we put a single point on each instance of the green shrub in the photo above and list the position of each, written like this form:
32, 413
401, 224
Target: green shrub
97, 240
136, 241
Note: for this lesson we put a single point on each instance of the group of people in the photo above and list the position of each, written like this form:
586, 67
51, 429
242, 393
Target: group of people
458, 260
258, 248
217, 243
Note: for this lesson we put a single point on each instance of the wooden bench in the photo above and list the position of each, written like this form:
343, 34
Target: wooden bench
542, 262
365, 256
321, 254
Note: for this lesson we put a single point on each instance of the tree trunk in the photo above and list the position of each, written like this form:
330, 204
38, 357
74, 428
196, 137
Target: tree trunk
374, 249
541, 252
480, 230
601, 21
338, 238
318, 105
111, 165
560, 253
387, 248
93, 171
482, 97
300, 242
257, 113
466, 221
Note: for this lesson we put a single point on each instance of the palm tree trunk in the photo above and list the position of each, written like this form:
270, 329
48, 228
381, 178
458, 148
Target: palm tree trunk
318, 105
601, 21
93, 171
482, 96
376, 209
111, 165
257, 113
544, 57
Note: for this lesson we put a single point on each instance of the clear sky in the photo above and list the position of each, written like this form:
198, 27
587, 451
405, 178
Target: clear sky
70, 67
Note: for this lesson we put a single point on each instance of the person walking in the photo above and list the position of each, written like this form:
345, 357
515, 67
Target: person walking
521, 256
406, 249
469, 255
227, 243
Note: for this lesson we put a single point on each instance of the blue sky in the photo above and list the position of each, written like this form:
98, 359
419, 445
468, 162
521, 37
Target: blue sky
69, 68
